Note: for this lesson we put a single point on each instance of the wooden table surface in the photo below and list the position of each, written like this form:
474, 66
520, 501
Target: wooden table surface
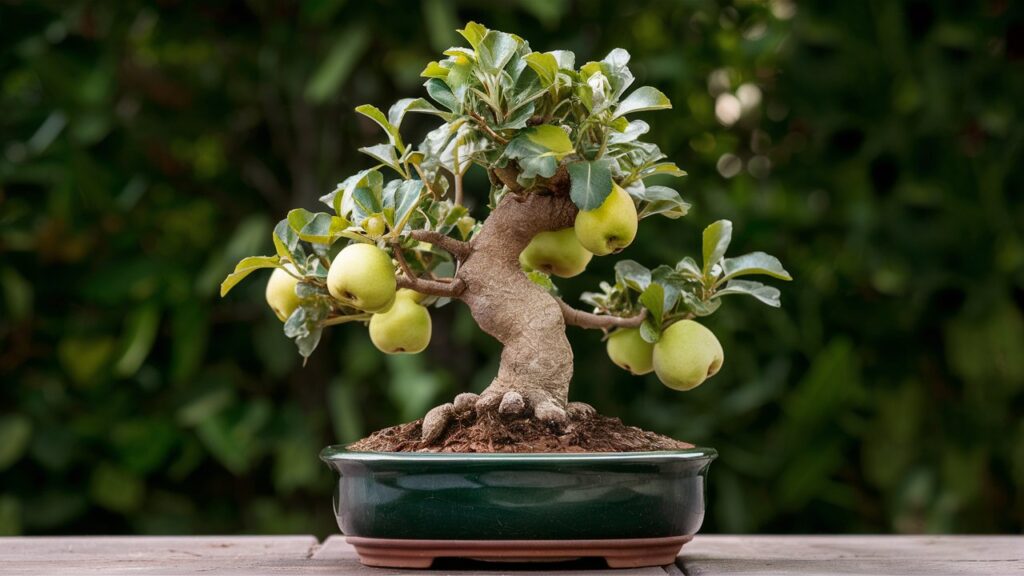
706, 555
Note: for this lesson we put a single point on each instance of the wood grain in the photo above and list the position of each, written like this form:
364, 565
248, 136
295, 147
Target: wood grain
877, 555
706, 555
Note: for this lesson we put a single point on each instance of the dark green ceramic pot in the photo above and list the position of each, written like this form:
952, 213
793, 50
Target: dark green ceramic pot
519, 496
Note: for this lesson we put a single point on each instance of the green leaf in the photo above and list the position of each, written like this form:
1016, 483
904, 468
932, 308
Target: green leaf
318, 228
551, 138
495, 50
697, 306
643, 98
383, 153
631, 274
688, 267
753, 263
473, 33
545, 65
653, 299
518, 118
374, 113
662, 200
615, 68
244, 268
342, 198
303, 326
399, 109
442, 94
591, 183
286, 242
434, 70
338, 64
538, 150
716, 241
770, 295
667, 168
402, 199
672, 283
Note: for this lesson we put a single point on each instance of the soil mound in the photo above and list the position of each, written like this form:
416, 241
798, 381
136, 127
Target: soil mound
492, 433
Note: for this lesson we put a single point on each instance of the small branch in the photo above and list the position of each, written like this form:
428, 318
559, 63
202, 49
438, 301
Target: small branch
451, 289
458, 186
507, 176
401, 260
574, 317
343, 319
487, 129
457, 248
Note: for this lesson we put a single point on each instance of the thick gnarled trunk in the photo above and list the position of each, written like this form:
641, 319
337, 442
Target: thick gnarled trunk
536, 360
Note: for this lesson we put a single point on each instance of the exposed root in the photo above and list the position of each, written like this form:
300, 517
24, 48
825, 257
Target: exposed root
508, 404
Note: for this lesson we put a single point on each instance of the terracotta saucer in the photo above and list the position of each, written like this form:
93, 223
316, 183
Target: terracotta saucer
621, 553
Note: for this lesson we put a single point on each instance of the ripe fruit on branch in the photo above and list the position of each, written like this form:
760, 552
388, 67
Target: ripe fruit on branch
281, 292
687, 354
631, 352
404, 328
363, 276
375, 226
559, 253
611, 226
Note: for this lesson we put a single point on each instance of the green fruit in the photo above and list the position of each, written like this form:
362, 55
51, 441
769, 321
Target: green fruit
281, 292
402, 329
410, 294
374, 226
611, 226
631, 352
558, 253
362, 275
687, 355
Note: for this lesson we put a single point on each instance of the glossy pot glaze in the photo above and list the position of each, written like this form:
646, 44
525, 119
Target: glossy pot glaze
519, 496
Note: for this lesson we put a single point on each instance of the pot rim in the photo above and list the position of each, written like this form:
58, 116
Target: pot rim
339, 452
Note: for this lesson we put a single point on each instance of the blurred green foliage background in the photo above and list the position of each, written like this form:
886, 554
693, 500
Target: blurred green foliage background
875, 147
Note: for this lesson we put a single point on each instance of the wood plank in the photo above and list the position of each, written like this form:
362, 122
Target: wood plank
115, 555
877, 555
338, 553
236, 555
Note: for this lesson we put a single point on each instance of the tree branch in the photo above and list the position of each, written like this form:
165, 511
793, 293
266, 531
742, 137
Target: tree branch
457, 248
574, 317
487, 129
507, 176
451, 289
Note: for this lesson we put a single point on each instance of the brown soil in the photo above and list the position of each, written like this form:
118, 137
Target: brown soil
491, 433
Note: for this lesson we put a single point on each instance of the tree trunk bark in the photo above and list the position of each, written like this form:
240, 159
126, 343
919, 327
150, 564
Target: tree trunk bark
526, 319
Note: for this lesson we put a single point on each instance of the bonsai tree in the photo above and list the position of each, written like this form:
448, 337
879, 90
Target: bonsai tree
568, 173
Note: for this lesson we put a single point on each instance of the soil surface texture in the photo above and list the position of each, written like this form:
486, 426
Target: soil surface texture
493, 433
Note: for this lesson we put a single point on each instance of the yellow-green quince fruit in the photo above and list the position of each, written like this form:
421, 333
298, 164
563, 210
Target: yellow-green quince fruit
686, 355
363, 276
631, 352
375, 226
558, 253
281, 292
611, 226
403, 329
